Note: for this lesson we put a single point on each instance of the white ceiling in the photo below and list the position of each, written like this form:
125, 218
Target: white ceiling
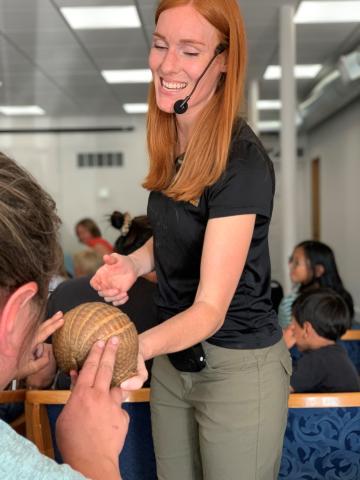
44, 62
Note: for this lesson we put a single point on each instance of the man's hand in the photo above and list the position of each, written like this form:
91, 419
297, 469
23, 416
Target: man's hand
45, 376
92, 427
39, 356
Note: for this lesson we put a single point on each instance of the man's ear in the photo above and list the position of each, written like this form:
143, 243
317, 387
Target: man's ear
17, 307
308, 329
319, 270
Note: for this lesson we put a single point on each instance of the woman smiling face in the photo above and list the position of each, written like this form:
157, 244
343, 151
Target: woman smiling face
183, 44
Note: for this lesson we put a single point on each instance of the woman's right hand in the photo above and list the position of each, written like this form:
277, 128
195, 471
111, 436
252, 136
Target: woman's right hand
114, 279
92, 427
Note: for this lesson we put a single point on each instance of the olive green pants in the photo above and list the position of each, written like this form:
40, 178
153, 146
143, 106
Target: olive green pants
226, 422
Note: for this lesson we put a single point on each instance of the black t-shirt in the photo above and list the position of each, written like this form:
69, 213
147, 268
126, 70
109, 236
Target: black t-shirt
327, 369
246, 187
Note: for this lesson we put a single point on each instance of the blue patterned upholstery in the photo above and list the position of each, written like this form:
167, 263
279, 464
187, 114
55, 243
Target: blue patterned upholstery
353, 349
322, 444
137, 459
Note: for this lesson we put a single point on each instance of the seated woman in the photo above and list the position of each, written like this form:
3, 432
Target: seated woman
92, 427
89, 234
134, 232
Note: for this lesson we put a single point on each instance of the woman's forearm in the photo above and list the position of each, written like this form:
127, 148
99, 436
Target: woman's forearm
185, 329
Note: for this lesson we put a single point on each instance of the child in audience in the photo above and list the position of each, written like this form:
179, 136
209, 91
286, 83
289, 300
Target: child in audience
320, 318
86, 262
312, 265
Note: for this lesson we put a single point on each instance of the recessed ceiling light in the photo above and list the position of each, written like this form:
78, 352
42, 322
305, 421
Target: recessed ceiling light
82, 18
269, 105
127, 76
328, 12
135, 107
269, 126
275, 125
21, 110
273, 72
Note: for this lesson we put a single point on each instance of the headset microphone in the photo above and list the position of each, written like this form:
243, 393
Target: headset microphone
182, 105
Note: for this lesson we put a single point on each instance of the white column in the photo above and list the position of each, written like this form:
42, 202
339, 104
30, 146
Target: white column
253, 114
288, 136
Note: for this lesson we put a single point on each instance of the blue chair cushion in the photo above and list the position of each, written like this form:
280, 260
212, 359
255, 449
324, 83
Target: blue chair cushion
353, 350
322, 444
137, 459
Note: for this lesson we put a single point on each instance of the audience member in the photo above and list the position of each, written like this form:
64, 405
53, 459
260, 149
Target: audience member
86, 262
92, 426
320, 318
134, 232
89, 234
312, 265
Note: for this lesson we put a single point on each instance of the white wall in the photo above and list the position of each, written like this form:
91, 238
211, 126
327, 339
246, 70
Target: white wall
337, 143
303, 205
52, 159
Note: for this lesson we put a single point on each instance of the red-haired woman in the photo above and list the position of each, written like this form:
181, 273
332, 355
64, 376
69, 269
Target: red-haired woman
221, 370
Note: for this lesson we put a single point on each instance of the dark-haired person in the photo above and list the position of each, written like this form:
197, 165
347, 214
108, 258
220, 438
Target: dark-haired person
134, 232
320, 318
89, 234
220, 377
312, 265
92, 427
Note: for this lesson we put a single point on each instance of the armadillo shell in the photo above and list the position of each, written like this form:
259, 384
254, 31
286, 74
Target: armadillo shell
86, 324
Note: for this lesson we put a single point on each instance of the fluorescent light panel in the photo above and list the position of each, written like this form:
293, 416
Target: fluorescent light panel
135, 107
127, 76
83, 18
273, 72
21, 110
328, 12
269, 126
275, 125
269, 105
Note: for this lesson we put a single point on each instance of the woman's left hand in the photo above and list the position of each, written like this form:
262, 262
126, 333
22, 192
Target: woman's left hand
39, 356
134, 383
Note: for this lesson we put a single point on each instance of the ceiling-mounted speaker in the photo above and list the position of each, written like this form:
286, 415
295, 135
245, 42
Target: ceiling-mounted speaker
349, 66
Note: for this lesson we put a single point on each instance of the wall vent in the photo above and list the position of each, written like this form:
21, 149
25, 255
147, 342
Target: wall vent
100, 160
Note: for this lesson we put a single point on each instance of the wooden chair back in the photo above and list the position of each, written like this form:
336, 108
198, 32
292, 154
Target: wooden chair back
15, 396
37, 419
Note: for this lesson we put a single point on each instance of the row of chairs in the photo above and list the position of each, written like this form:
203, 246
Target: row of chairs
322, 439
